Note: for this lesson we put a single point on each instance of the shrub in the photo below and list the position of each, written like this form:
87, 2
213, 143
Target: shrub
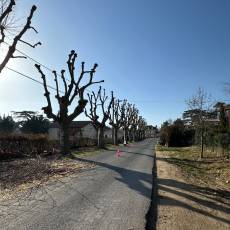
176, 135
24, 145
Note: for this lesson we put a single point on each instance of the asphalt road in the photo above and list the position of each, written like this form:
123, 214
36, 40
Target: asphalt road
116, 194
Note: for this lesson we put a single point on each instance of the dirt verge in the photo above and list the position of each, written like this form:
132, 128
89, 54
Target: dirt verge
185, 204
20, 176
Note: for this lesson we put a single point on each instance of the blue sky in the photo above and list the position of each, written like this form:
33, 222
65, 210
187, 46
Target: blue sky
155, 53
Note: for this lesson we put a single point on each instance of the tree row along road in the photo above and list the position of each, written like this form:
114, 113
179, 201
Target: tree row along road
116, 194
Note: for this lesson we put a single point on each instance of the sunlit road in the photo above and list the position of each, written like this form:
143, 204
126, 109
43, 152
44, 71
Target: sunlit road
116, 194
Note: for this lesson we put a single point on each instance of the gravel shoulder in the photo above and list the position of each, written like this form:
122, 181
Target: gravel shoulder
184, 204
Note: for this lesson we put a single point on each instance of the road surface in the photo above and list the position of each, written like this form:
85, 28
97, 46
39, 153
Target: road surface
116, 194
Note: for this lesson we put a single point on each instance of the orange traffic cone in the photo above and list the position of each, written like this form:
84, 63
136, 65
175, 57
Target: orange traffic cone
118, 153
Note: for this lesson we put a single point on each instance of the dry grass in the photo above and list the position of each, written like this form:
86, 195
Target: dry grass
21, 175
86, 151
211, 170
91, 151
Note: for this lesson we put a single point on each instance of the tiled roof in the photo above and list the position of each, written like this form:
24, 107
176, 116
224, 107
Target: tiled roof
74, 124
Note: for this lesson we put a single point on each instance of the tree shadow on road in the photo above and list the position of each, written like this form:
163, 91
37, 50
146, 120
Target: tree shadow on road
137, 181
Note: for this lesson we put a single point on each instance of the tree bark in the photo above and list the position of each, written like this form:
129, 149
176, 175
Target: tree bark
202, 144
134, 135
223, 153
125, 139
213, 147
65, 147
115, 136
129, 135
113, 133
100, 138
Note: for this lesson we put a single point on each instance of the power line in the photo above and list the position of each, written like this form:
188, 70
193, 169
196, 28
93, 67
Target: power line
33, 79
51, 87
30, 78
32, 59
38, 62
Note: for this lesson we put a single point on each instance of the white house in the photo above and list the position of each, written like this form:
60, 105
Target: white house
108, 133
78, 130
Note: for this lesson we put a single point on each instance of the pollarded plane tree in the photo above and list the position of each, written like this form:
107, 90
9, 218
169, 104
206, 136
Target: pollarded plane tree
125, 116
115, 118
132, 119
132, 114
144, 124
98, 104
92, 114
130, 110
9, 23
134, 122
75, 89
141, 128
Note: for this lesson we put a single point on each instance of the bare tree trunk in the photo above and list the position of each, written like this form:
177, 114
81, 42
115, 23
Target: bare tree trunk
65, 147
202, 144
134, 138
113, 134
125, 140
128, 135
100, 138
223, 153
115, 137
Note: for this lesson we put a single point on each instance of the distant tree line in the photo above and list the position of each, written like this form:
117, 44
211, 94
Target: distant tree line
27, 122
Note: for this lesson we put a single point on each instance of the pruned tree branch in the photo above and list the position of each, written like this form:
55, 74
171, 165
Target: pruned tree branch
48, 109
7, 10
19, 56
32, 46
18, 38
